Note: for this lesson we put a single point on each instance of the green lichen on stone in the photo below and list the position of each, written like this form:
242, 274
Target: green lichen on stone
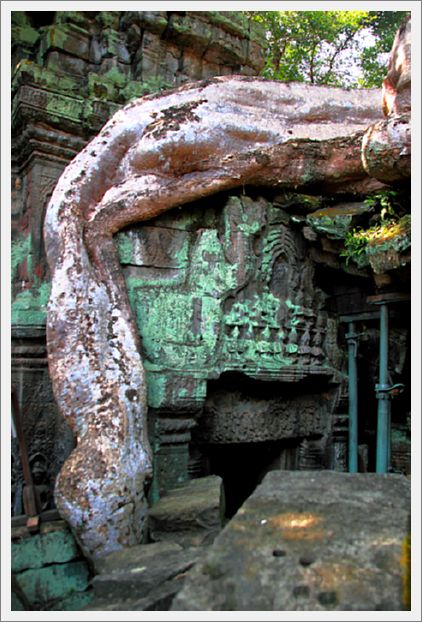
166, 322
29, 308
336, 227
61, 106
192, 322
156, 386
124, 247
135, 89
73, 17
153, 84
43, 548
336, 222
19, 18
108, 19
116, 77
19, 251
111, 85
55, 581
75, 602
308, 176
211, 274
54, 37
111, 38
24, 34
28, 71
234, 22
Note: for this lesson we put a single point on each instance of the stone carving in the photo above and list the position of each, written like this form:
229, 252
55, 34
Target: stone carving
156, 154
238, 417
230, 308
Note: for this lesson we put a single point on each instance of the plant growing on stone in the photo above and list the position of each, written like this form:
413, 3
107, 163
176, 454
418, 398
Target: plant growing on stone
389, 221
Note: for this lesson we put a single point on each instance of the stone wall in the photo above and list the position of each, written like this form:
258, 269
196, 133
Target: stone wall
48, 570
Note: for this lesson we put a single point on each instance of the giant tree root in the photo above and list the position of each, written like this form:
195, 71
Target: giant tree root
155, 154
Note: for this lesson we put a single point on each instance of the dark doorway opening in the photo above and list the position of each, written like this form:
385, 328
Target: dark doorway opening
242, 466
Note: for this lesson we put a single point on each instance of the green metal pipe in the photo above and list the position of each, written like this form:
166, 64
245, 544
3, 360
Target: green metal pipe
353, 399
383, 423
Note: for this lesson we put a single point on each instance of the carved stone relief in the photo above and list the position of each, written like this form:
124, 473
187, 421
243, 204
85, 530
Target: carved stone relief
232, 292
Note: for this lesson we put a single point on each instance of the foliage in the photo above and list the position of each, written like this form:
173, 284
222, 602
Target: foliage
339, 48
390, 220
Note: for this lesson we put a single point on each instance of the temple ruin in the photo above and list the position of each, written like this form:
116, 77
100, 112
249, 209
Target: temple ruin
182, 303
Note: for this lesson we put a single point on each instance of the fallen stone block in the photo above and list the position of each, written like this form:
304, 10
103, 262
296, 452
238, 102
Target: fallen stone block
307, 541
158, 599
190, 515
145, 577
136, 582
133, 557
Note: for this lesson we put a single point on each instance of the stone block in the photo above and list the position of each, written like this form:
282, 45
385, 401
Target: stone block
142, 577
54, 547
130, 558
150, 572
157, 599
310, 542
189, 514
74, 602
65, 63
68, 38
56, 581
153, 21
190, 32
24, 35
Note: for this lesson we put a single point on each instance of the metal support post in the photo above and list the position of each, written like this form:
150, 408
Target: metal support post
382, 393
352, 342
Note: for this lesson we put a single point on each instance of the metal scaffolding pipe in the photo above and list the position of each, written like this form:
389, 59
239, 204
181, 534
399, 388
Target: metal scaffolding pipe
383, 422
353, 399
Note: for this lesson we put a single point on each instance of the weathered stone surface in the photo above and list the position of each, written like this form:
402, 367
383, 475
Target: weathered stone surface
158, 598
42, 549
136, 556
265, 413
55, 581
243, 298
143, 577
190, 515
48, 568
47, 435
198, 140
301, 542
151, 573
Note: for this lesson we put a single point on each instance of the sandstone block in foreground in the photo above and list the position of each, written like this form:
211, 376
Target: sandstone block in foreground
189, 514
307, 541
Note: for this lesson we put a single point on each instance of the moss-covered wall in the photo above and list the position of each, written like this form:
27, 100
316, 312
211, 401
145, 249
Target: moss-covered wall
48, 569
